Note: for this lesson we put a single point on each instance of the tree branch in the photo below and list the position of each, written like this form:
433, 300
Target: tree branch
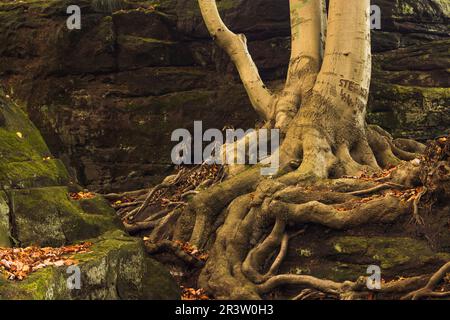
236, 47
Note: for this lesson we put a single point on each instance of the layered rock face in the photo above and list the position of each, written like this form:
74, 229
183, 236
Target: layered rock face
35, 209
107, 97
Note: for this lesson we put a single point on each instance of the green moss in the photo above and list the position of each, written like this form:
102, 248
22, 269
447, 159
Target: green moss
406, 9
19, 138
35, 173
59, 221
96, 205
385, 251
35, 287
303, 252
17, 121
4, 221
300, 270
409, 111
350, 245
345, 271
108, 6
432, 93
15, 149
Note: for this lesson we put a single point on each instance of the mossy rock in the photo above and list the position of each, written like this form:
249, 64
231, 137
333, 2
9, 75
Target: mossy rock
36, 186
342, 258
25, 160
35, 173
116, 268
13, 148
416, 112
21, 132
48, 217
96, 205
390, 253
4, 221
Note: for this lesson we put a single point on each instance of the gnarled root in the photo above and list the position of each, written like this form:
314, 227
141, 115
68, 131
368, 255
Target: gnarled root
428, 290
175, 249
245, 221
244, 258
337, 150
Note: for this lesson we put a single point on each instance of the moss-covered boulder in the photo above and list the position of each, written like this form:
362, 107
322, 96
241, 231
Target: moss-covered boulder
25, 160
30, 174
48, 217
116, 268
36, 209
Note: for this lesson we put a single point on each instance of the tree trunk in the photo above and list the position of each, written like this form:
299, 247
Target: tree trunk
329, 133
321, 113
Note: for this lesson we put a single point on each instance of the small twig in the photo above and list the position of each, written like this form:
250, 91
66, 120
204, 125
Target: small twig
157, 215
297, 233
176, 203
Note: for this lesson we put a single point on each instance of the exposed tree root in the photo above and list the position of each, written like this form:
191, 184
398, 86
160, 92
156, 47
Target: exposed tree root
168, 182
169, 246
120, 196
428, 290
251, 217
348, 290
146, 209
245, 222
375, 189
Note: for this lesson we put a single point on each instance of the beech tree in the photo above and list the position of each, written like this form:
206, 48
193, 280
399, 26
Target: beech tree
246, 220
